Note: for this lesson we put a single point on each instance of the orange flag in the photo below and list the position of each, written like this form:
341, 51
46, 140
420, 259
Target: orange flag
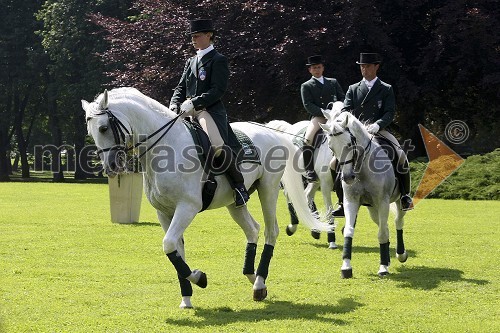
442, 163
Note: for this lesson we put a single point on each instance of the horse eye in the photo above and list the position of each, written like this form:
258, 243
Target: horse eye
103, 129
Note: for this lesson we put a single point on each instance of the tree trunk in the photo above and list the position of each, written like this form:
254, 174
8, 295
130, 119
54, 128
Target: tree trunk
4, 158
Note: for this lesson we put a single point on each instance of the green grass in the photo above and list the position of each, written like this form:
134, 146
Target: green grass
66, 268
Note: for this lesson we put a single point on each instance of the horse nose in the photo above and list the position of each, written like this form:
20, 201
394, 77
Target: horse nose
113, 166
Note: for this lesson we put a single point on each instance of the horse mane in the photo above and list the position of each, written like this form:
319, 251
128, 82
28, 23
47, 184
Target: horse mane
133, 95
358, 128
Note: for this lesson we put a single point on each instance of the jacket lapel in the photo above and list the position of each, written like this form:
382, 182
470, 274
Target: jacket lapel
207, 57
363, 92
373, 91
316, 83
194, 69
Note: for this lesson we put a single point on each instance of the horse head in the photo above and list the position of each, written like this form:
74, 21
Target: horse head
342, 142
110, 131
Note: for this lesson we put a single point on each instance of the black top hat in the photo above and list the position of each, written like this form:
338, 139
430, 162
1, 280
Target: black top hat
314, 60
201, 25
369, 58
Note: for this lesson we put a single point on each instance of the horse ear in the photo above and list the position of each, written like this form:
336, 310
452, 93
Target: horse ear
326, 127
326, 113
86, 107
346, 120
103, 105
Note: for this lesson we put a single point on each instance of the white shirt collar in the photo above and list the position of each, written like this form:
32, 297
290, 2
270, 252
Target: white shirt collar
370, 84
201, 53
320, 79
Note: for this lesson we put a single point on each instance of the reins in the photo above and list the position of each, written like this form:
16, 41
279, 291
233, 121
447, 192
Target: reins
120, 131
262, 125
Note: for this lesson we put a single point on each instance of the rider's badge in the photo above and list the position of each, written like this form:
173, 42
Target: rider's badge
202, 74
379, 103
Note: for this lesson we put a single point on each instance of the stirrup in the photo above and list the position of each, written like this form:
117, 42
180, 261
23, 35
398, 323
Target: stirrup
406, 203
241, 195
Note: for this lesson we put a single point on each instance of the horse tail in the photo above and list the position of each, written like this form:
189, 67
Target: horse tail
292, 183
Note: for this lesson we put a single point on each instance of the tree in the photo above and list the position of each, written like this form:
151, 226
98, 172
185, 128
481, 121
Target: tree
19, 81
429, 49
74, 72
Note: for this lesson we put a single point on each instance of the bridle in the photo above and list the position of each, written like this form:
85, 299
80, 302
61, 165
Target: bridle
354, 146
120, 132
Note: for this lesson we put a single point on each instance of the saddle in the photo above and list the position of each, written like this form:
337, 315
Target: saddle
244, 149
389, 148
319, 138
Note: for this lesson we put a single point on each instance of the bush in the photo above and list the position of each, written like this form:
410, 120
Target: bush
477, 179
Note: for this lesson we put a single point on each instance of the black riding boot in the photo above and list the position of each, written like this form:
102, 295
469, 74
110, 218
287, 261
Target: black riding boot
404, 180
308, 156
337, 185
236, 178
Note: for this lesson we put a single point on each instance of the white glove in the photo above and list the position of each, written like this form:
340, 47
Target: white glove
373, 128
187, 108
174, 108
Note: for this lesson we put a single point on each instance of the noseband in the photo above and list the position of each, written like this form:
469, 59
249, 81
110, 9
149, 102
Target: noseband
353, 145
119, 132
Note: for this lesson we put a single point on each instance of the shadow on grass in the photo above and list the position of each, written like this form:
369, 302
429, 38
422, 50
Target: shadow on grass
427, 278
145, 224
366, 249
273, 311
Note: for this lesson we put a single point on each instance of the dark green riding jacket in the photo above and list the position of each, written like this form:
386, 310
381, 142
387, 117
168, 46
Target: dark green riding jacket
316, 96
378, 105
205, 83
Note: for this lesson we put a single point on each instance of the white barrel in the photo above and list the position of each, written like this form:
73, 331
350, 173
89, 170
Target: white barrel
125, 196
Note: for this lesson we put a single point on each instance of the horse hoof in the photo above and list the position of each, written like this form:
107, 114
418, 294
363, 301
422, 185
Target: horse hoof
259, 294
333, 246
315, 234
402, 257
346, 273
383, 274
289, 232
383, 271
185, 306
202, 280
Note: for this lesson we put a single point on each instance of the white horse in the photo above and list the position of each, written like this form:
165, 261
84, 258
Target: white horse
322, 166
368, 178
173, 180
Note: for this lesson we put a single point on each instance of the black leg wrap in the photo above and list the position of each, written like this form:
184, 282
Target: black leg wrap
331, 237
186, 288
339, 191
293, 215
181, 267
250, 253
312, 206
265, 259
385, 257
347, 251
400, 246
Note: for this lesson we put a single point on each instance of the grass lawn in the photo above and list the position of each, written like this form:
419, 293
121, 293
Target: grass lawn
64, 267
